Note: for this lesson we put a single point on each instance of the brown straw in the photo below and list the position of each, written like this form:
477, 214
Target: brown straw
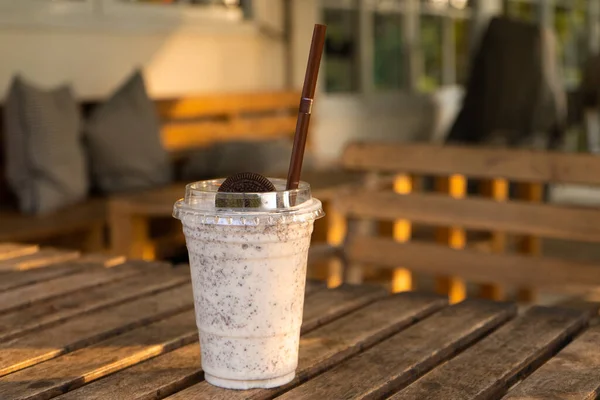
306, 102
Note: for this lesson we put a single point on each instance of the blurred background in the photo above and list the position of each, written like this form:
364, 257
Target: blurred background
106, 100
396, 67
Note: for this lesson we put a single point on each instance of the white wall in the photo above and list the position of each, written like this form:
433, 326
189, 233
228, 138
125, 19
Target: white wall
95, 57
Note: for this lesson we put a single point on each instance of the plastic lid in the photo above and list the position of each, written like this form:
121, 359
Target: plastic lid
281, 206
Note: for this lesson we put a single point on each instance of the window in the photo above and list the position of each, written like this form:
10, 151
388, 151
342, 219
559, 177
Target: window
389, 27
389, 58
341, 50
524, 10
569, 25
461, 48
431, 50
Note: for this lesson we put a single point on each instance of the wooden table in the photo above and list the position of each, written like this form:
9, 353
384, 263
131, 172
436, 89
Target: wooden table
95, 327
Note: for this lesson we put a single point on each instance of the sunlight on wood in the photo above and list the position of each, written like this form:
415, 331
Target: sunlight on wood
12, 250
336, 227
498, 190
334, 273
531, 245
336, 232
454, 237
402, 277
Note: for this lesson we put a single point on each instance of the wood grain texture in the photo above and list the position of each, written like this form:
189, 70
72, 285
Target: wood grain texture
219, 104
335, 342
473, 265
572, 374
326, 305
52, 312
474, 162
149, 380
54, 377
488, 368
39, 259
91, 328
521, 217
15, 279
40, 292
12, 250
400, 360
174, 371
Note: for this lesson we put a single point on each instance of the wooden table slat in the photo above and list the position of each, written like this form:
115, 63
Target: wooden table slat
14, 279
181, 368
91, 328
29, 295
330, 304
335, 342
400, 360
488, 368
313, 286
60, 309
72, 370
12, 250
39, 259
573, 374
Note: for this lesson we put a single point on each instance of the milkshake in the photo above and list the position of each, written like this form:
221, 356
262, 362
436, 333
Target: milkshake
248, 254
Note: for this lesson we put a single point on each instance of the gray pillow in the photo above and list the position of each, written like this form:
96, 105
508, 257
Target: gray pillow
45, 163
268, 157
123, 138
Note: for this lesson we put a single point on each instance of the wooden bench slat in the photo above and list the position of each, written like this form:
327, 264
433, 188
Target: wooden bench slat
335, 342
40, 292
473, 213
400, 360
16, 279
491, 366
179, 136
572, 374
12, 250
474, 162
79, 217
220, 104
91, 328
475, 266
40, 259
181, 368
48, 313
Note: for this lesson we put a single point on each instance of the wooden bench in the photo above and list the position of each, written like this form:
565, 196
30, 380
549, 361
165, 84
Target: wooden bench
187, 124
527, 219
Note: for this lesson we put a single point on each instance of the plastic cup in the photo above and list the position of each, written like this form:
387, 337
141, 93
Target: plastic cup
248, 267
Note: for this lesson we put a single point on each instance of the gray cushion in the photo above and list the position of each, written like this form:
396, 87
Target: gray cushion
268, 157
123, 137
45, 163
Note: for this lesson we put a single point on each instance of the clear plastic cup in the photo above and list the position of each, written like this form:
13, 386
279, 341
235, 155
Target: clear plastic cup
248, 267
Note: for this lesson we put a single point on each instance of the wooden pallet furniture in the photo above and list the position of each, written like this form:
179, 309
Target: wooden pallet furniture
92, 327
188, 123
131, 216
525, 218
